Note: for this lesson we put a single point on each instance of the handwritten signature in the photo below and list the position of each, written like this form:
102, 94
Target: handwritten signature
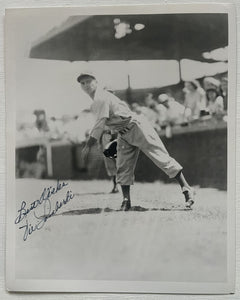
43, 202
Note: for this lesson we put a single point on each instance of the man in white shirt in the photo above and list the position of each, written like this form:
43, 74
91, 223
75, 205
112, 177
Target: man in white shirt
135, 133
195, 98
174, 110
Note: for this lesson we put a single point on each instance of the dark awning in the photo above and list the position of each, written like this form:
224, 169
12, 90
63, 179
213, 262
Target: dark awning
164, 36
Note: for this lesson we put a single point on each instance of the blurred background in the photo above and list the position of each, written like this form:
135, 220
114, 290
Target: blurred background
172, 68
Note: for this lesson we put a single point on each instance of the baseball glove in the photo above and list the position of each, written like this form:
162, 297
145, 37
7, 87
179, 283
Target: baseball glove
110, 149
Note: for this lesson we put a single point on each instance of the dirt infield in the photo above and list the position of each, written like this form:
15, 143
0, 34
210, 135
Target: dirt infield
89, 238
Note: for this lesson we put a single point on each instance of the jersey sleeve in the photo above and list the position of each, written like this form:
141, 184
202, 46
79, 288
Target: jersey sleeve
102, 109
98, 129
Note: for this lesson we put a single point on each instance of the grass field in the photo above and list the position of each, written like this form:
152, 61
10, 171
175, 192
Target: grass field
158, 240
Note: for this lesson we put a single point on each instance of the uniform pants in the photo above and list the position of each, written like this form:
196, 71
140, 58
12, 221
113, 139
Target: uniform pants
140, 135
110, 163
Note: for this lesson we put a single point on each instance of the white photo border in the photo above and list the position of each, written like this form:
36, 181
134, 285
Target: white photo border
13, 284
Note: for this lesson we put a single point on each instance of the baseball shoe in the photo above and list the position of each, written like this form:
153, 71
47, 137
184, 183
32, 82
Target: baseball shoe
126, 205
188, 193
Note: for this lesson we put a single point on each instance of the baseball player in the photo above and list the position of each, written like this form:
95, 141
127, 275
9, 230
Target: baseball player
135, 133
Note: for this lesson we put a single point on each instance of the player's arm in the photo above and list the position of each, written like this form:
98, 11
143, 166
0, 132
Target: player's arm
101, 108
98, 129
95, 136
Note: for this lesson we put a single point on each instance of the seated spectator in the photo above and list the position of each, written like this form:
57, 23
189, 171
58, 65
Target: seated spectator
162, 110
27, 129
150, 111
224, 91
41, 121
215, 104
195, 99
55, 128
136, 108
149, 99
211, 83
174, 110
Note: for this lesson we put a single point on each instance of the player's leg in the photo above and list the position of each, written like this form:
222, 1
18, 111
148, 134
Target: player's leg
148, 141
126, 162
115, 188
126, 204
188, 192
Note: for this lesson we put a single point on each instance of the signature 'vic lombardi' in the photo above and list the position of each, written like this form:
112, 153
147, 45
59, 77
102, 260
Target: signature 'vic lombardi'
45, 203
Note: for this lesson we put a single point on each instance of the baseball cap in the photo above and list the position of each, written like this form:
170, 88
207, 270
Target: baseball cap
211, 89
212, 80
195, 83
162, 98
86, 74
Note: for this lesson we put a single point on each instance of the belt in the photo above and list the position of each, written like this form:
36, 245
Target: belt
124, 130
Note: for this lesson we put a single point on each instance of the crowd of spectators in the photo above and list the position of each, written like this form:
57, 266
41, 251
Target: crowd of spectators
72, 128
198, 103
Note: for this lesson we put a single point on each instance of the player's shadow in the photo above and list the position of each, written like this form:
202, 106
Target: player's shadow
87, 194
97, 210
173, 209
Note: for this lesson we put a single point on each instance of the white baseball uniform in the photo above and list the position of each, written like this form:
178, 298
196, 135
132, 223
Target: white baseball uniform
134, 133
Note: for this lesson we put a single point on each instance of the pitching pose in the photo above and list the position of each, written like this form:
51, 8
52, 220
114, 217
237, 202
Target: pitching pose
134, 134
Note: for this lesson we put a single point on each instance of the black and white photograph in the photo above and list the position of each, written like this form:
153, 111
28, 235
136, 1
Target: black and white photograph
120, 129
